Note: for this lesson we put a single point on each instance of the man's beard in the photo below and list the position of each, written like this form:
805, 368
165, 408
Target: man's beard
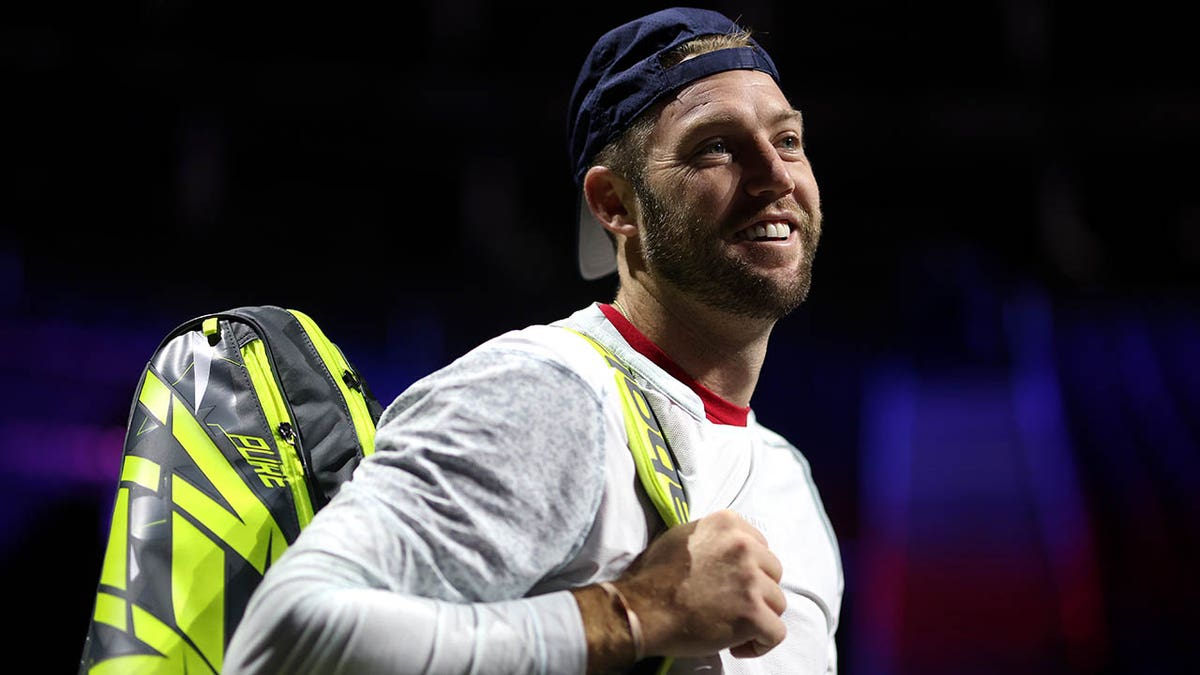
684, 250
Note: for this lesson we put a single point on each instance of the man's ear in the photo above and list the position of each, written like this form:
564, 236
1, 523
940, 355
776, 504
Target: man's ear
611, 199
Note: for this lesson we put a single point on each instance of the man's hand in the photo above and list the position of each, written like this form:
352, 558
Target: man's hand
699, 588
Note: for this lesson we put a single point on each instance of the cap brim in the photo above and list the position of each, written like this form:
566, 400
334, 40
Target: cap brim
596, 255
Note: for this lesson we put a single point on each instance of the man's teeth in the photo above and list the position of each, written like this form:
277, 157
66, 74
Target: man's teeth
765, 231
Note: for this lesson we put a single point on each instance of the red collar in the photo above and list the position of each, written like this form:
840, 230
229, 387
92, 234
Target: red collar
716, 409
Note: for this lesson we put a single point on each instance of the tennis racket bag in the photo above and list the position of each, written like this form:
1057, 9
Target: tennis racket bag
245, 423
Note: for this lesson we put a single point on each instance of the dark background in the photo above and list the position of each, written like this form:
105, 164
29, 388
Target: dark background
996, 379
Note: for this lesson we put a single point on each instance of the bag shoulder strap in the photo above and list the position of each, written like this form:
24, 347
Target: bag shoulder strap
656, 466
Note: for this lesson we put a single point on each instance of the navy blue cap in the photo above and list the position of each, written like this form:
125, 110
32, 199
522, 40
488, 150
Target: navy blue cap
622, 77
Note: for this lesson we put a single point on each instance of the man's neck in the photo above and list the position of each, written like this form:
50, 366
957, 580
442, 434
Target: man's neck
721, 351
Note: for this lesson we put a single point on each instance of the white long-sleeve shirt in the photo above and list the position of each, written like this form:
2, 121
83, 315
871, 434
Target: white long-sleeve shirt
501, 481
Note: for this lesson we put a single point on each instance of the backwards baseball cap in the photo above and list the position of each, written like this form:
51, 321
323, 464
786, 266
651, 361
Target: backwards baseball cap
622, 77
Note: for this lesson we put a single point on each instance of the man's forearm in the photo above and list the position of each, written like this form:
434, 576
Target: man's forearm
374, 631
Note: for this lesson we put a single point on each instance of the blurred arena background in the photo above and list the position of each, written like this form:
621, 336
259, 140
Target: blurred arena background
996, 379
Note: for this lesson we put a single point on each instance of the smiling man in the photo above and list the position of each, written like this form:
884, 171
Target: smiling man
503, 524
726, 205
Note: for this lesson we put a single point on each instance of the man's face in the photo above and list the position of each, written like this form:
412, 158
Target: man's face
729, 205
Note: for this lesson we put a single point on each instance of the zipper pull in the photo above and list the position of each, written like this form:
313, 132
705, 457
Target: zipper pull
286, 433
352, 380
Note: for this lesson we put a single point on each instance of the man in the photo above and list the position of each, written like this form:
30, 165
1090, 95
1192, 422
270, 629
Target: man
501, 526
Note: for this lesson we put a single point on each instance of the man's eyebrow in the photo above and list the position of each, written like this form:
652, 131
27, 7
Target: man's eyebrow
700, 124
791, 115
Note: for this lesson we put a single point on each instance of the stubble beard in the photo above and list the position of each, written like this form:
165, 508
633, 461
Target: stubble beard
683, 249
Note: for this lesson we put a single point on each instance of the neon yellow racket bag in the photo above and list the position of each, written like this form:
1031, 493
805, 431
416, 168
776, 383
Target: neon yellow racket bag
244, 424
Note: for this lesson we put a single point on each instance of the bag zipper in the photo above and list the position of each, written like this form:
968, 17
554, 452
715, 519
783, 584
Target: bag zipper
258, 365
348, 381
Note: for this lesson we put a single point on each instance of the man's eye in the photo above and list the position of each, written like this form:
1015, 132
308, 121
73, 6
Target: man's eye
716, 147
791, 142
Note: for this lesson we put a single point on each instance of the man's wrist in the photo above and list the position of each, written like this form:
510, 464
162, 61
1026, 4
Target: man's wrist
612, 630
631, 618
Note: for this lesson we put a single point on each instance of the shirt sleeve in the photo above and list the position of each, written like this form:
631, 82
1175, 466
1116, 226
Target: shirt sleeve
486, 479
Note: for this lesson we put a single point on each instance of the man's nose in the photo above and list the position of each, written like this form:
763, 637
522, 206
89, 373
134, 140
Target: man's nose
767, 174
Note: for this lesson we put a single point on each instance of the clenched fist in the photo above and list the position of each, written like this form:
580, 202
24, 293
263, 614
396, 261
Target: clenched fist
707, 585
